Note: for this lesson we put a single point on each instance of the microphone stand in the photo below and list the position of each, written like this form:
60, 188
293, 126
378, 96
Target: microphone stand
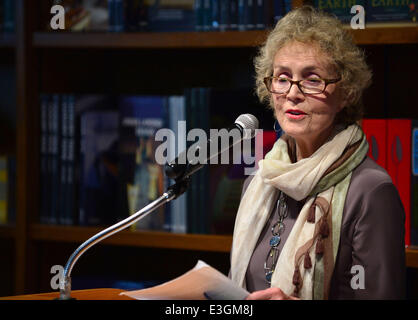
172, 192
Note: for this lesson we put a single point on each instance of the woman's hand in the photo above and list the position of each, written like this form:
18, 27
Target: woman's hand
270, 294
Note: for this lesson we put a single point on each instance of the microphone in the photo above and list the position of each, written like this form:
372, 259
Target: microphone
245, 124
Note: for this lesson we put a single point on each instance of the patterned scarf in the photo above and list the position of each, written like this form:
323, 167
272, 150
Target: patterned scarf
306, 262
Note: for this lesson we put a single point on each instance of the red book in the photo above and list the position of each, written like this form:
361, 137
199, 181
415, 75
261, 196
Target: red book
375, 131
399, 137
264, 141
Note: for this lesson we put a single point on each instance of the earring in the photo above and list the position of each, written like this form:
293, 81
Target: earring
276, 124
277, 129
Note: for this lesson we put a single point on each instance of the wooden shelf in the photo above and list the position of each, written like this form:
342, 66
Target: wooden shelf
392, 33
153, 239
372, 34
216, 243
7, 231
148, 40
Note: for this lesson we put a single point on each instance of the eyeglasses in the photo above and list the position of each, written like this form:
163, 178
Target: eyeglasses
282, 85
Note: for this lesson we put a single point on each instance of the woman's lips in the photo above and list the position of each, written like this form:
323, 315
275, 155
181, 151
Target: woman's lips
295, 114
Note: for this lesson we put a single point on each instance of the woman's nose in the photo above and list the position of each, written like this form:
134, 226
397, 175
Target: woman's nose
295, 93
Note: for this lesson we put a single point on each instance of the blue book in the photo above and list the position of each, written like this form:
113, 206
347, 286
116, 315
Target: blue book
386, 11
198, 7
224, 15
176, 15
207, 15
215, 15
44, 161
279, 10
70, 196
9, 16
260, 14
54, 157
233, 15
99, 130
251, 12
341, 9
141, 177
242, 15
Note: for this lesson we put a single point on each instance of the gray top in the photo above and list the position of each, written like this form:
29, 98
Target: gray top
372, 236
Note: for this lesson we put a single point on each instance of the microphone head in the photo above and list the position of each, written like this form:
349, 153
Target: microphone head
249, 123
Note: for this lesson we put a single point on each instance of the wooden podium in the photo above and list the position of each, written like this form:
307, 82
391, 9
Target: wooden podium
89, 294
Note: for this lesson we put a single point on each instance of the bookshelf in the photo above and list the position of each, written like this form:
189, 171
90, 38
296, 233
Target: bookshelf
373, 34
34, 51
150, 239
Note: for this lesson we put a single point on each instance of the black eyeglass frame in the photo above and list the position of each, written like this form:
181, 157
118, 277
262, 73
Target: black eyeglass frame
268, 80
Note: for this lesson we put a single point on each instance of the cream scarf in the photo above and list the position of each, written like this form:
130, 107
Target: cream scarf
306, 262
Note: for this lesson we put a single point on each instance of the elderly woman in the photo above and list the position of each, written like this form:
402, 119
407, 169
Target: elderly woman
319, 219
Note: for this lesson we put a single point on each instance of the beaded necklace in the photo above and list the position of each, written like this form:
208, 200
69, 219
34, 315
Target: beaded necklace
277, 230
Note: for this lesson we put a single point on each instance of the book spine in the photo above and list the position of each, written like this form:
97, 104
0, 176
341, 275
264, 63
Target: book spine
207, 15
71, 187
233, 15
279, 10
198, 7
260, 18
63, 162
413, 241
242, 15
111, 13
224, 19
250, 14
119, 16
44, 160
399, 163
376, 132
9, 15
215, 15
55, 159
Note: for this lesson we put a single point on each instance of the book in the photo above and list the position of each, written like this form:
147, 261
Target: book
54, 149
141, 177
99, 162
8, 15
44, 160
171, 15
341, 9
399, 133
376, 131
203, 282
177, 123
386, 11
414, 186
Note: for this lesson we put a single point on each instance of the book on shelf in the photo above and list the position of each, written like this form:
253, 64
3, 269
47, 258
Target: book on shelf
99, 163
171, 15
7, 16
141, 177
203, 282
392, 146
375, 131
104, 167
376, 11
398, 161
391, 11
341, 9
